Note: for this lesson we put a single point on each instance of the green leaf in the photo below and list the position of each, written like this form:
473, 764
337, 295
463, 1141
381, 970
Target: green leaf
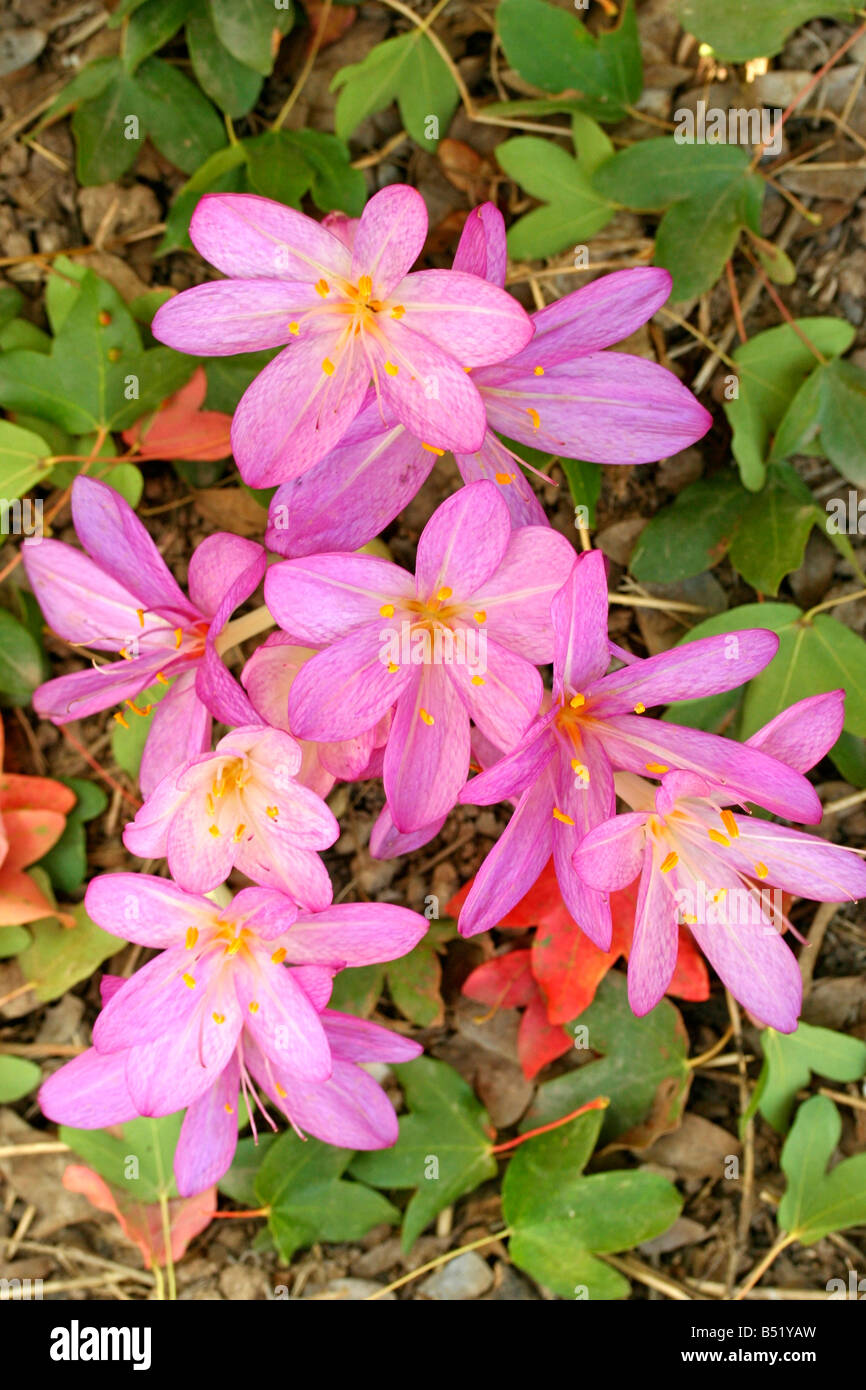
772, 367
356, 990
790, 1059
22, 461
87, 84
817, 1202
125, 478
336, 186
150, 27
772, 533
407, 69
692, 534
415, 980
849, 755
245, 28
574, 212
58, 957
553, 50
224, 172
301, 1182
643, 1068
62, 289
842, 418
127, 745
179, 120
20, 662
10, 304
107, 142
697, 236
140, 1161
66, 862
740, 29
444, 1149
229, 377
239, 1182
20, 333
277, 169
652, 174
231, 84
559, 1219
18, 1078
584, 484
13, 940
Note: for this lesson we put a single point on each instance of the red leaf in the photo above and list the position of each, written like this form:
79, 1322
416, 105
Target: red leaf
21, 901
30, 834
691, 979
20, 793
505, 982
179, 429
140, 1222
539, 1041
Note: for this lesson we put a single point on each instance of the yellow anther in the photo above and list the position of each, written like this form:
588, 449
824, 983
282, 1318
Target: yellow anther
294, 329
658, 768
328, 367
140, 612
718, 897
761, 870
397, 312
162, 679
214, 830
279, 955
322, 288
504, 478
272, 811
134, 707
480, 616
189, 981
640, 709
123, 722
477, 680
234, 946
125, 654
393, 668
280, 1090
669, 862
538, 371
467, 369
580, 769
561, 816
689, 919
431, 449
718, 838
387, 610
209, 804
730, 823
365, 285
391, 368
218, 1018
444, 593
427, 718
577, 701
228, 1109
191, 937
178, 637
534, 417
254, 1007
239, 832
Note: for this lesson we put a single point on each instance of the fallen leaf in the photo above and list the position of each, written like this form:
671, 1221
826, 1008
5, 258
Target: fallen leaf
142, 1223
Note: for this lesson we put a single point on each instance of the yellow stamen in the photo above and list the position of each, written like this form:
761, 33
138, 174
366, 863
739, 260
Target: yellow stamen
391, 368
123, 722
234, 946
281, 1092
191, 937
387, 610
328, 367
140, 612
640, 709
397, 313
504, 479
580, 769
444, 593
209, 804
161, 678
239, 832
669, 862
322, 288
534, 417
689, 919
178, 637
134, 707
480, 616
427, 718
214, 830
431, 449
761, 870
577, 700
730, 824
228, 1109
125, 654
272, 811
718, 897
538, 371
294, 329
561, 816
393, 668
718, 838
477, 680
218, 1018
254, 1007
657, 768
188, 981
365, 285
279, 955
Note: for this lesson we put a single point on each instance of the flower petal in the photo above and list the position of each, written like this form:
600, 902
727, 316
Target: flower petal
427, 757
180, 729
89, 1092
502, 693
463, 543
578, 611
515, 861
390, 237
148, 910
386, 841
350, 1109
653, 955
216, 564
801, 735
280, 1018
472, 320
246, 236
357, 1040
704, 667
518, 597
481, 249
352, 934
610, 857
319, 598
226, 316
342, 692
208, 1135
494, 462
429, 393
804, 865
596, 316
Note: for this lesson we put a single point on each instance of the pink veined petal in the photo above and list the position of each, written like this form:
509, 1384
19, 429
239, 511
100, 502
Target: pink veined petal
474, 321
79, 599
208, 1135
675, 785
180, 729
302, 817
653, 956
390, 238
584, 798
268, 675
147, 834
348, 759
354, 934
517, 771
86, 692
515, 861
281, 1020
197, 860
267, 913
289, 868
502, 694
386, 841
685, 673
226, 316
610, 856
250, 237
633, 743
350, 496
481, 249
801, 735
804, 865
429, 393
317, 982
216, 564
153, 1001
357, 1040
427, 757
350, 1110
518, 597
297, 409
343, 227
578, 611
608, 407
596, 316
114, 537
319, 598
148, 910
342, 692
492, 462
89, 1092
171, 1071
463, 543
215, 686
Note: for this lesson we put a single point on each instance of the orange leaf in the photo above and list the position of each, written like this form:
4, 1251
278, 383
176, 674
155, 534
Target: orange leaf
141, 1222
30, 834
179, 429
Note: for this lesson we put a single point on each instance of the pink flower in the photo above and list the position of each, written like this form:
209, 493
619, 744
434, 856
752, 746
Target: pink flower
459, 640
561, 394
349, 316
702, 864
239, 807
267, 678
120, 597
561, 772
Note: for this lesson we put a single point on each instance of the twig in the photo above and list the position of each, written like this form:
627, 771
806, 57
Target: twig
434, 1264
812, 946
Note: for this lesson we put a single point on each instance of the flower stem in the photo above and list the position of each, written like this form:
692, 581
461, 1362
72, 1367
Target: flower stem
763, 1265
600, 1103
239, 629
